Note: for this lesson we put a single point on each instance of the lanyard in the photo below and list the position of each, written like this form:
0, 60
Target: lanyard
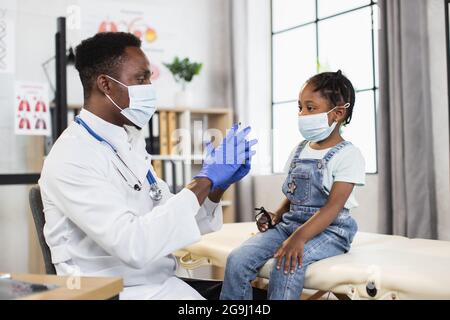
150, 177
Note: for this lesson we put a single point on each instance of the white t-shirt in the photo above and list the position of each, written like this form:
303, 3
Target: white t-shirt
347, 165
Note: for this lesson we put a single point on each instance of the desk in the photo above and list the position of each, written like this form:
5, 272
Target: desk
90, 288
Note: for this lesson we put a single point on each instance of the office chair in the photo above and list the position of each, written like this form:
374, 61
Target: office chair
37, 210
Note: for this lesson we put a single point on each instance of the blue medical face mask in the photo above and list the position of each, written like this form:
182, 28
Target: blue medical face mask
142, 103
315, 127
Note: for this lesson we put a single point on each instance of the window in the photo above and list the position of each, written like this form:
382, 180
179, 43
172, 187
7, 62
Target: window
312, 36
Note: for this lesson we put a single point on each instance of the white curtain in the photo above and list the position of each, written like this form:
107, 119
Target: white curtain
411, 163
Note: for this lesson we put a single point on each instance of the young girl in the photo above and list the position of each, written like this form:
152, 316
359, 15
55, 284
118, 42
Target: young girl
313, 221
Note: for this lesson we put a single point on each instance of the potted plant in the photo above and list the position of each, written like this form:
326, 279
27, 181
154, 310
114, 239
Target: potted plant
183, 72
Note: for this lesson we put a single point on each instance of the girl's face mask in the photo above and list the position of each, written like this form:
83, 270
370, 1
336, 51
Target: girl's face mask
142, 103
315, 127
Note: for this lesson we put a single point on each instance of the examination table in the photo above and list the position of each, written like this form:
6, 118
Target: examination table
377, 266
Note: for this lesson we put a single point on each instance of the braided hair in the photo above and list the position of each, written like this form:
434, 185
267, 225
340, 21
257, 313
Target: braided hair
337, 89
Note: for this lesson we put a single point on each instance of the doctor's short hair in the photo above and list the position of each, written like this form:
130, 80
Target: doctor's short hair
102, 54
337, 89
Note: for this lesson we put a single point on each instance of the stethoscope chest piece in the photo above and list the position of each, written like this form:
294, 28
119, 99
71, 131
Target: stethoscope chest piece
155, 192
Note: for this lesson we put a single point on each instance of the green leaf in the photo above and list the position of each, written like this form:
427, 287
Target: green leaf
183, 70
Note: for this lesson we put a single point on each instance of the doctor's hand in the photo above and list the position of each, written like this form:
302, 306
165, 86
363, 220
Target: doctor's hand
244, 169
222, 164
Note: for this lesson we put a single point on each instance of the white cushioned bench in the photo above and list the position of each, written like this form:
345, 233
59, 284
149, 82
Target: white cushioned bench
377, 267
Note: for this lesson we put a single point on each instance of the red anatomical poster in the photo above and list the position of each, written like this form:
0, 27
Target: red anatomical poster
31, 109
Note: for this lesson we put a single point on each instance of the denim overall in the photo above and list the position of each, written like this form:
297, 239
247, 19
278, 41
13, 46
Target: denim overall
304, 189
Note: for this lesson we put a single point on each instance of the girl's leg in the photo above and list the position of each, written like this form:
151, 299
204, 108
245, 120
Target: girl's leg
289, 286
244, 262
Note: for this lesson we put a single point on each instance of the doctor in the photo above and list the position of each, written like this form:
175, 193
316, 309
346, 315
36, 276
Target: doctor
107, 214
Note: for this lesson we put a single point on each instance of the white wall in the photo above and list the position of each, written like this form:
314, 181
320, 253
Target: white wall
36, 24
251, 41
367, 213
14, 229
259, 82
201, 26
192, 34
196, 29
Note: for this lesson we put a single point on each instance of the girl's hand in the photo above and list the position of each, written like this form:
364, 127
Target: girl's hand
277, 218
292, 248
263, 224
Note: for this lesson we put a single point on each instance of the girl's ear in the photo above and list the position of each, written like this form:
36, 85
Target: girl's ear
341, 112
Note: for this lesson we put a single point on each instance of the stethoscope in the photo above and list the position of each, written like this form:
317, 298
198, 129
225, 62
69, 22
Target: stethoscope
155, 191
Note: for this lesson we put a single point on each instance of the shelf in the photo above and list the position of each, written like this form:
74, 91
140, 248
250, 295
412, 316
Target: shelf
187, 153
169, 157
219, 111
193, 110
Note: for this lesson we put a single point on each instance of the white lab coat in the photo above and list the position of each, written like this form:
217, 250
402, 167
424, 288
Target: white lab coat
97, 225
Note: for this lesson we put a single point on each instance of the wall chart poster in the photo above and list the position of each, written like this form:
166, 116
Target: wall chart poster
7, 36
141, 20
31, 109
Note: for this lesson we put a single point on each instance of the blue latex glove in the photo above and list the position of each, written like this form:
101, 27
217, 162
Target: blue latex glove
222, 163
244, 169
